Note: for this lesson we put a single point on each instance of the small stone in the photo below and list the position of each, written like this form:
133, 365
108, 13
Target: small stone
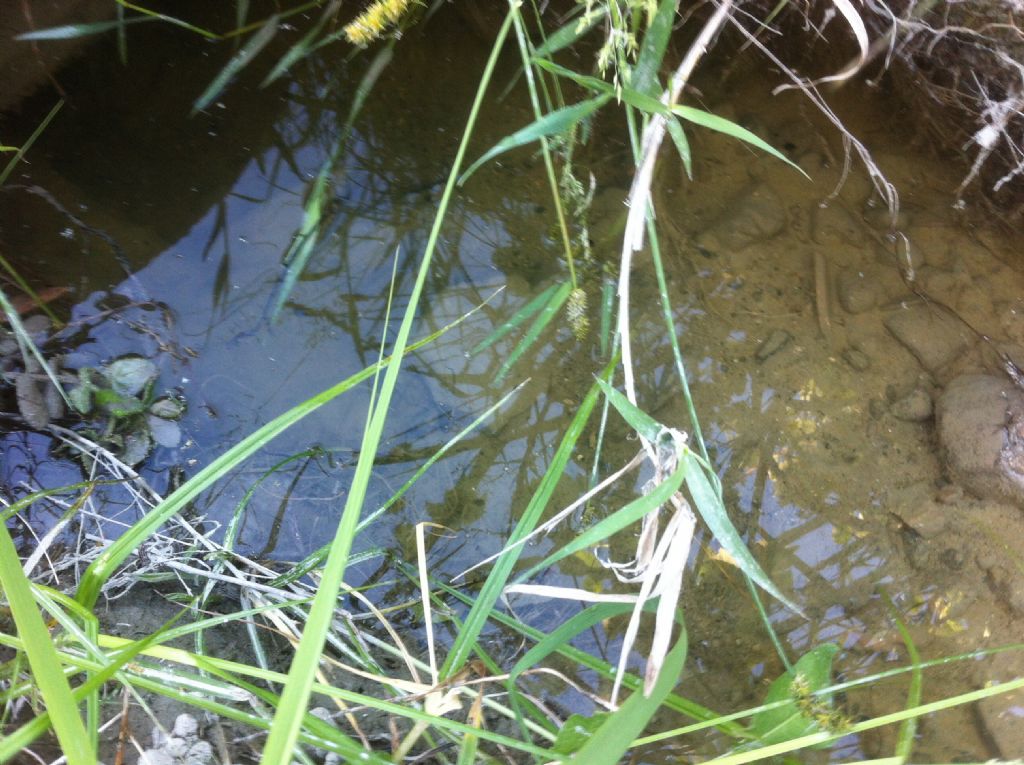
857, 359
932, 335
200, 753
857, 292
774, 343
916, 406
186, 727
754, 217
953, 558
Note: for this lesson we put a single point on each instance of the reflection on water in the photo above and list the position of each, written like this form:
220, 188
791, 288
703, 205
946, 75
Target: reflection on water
796, 377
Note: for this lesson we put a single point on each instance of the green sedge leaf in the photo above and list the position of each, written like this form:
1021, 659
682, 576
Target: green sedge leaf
553, 123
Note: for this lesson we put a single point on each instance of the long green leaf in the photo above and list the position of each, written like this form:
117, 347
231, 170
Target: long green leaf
791, 720
73, 31
524, 313
616, 735
237, 63
908, 729
42, 657
652, 105
548, 312
565, 632
709, 505
31, 140
552, 123
566, 35
288, 719
652, 49
483, 606
730, 128
635, 417
617, 521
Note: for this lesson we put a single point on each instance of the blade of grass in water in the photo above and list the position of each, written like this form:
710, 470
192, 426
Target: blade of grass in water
482, 608
237, 63
548, 312
288, 719
553, 123
31, 140
908, 729
74, 31
517, 318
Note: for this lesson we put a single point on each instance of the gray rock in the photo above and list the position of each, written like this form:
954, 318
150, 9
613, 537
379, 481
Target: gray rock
916, 406
931, 334
857, 359
772, 344
754, 217
856, 290
980, 421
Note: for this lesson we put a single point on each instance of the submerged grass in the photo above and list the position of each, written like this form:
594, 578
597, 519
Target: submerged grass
71, 660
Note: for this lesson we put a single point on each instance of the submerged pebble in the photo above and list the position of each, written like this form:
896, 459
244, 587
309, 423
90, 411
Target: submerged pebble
774, 343
857, 359
857, 293
916, 406
932, 335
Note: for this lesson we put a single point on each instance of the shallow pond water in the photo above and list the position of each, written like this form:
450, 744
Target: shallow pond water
817, 406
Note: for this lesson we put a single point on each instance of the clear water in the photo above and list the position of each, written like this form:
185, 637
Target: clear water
824, 482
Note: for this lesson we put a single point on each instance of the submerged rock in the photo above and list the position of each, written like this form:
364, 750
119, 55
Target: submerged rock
755, 216
931, 334
772, 344
980, 422
916, 406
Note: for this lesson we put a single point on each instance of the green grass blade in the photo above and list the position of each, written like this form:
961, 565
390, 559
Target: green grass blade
237, 63
74, 31
548, 312
908, 728
288, 719
31, 140
637, 419
155, 16
617, 521
652, 49
565, 632
616, 735
566, 35
108, 561
678, 135
517, 318
303, 47
42, 657
482, 608
302, 246
709, 504
552, 123
730, 128
305, 241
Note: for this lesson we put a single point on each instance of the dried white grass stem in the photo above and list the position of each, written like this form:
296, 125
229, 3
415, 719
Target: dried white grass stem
640, 191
